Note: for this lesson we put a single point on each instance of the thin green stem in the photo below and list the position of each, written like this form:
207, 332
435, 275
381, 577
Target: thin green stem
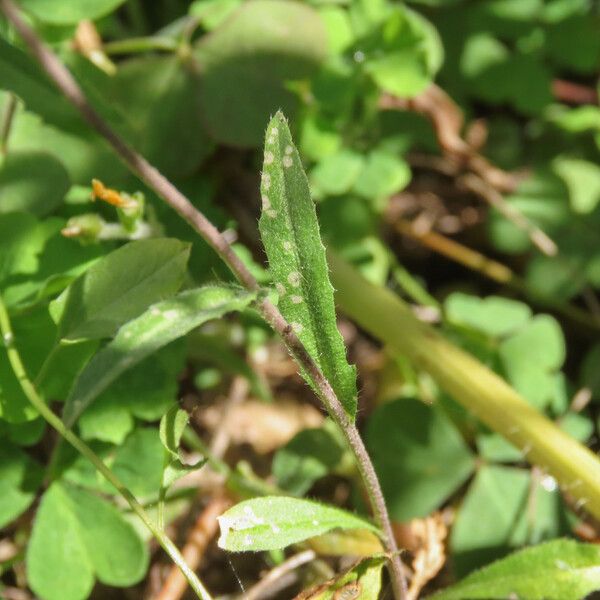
141, 44
162, 493
54, 421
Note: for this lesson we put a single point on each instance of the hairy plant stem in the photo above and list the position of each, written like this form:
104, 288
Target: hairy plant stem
174, 198
54, 421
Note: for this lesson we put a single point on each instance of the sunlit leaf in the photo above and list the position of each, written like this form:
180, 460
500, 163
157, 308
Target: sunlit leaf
273, 522
290, 234
561, 569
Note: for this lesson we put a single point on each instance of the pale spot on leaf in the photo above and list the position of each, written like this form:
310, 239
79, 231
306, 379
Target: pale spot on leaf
294, 278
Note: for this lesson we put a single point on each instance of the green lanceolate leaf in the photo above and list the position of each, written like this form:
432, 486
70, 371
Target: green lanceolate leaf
290, 234
119, 287
559, 569
161, 324
273, 522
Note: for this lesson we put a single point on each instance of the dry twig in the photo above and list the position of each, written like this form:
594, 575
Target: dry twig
265, 586
203, 531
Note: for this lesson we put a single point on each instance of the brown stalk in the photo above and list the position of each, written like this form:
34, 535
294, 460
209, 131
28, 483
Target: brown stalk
66, 83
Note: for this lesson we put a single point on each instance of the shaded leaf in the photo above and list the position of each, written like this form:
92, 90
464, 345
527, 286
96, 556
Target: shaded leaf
263, 44
120, 286
290, 234
22, 239
78, 534
494, 518
21, 476
21, 75
211, 13
308, 456
532, 355
384, 174
23, 434
273, 522
160, 95
146, 391
33, 334
35, 182
411, 445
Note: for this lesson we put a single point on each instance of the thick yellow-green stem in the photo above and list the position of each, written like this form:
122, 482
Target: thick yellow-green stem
477, 388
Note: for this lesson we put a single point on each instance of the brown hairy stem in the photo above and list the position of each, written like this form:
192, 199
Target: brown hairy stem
66, 83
